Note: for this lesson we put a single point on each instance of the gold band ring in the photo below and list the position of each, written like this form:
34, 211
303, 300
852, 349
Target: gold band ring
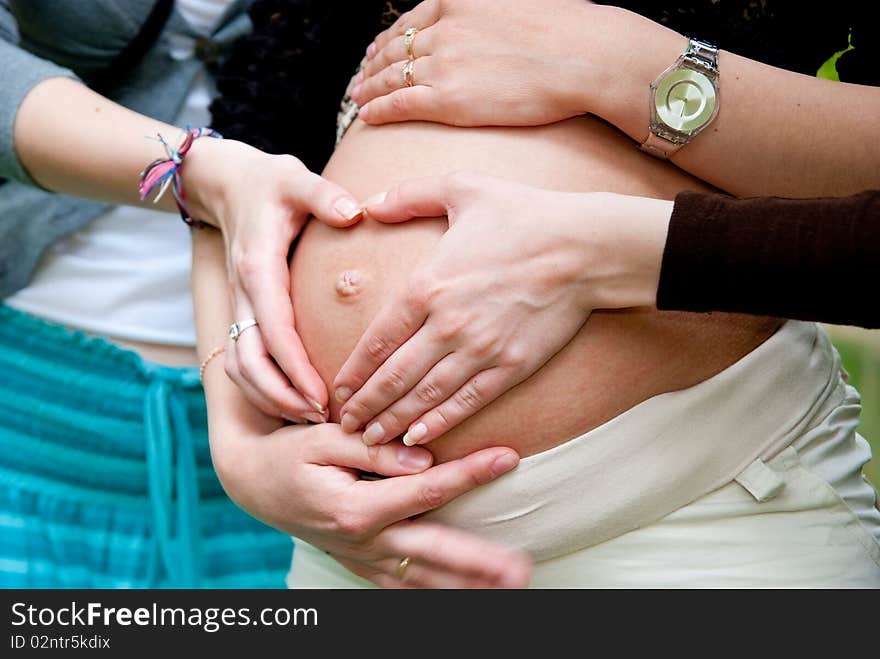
401, 567
408, 73
408, 37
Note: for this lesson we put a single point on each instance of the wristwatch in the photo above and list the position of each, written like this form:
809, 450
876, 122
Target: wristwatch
683, 99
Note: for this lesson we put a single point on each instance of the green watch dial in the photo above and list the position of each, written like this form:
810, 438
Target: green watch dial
685, 100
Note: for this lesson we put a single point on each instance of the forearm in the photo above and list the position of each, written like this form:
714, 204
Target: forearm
227, 407
804, 259
776, 133
73, 140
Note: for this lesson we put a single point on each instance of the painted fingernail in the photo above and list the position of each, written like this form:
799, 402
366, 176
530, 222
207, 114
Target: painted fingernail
317, 406
504, 463
411, 458
371, 50
374, 434
349, 422
342, 394
314, 417
415, 434
347, 208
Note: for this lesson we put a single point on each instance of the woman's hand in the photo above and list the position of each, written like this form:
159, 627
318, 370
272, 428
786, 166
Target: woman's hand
305, 481
510, 283
261, 202
480, 63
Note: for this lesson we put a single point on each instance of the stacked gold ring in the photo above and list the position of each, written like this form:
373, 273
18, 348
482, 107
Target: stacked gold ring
408, 73
408, 37
401, 567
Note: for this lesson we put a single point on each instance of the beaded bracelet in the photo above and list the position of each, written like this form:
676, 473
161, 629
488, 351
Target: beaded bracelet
165, 172
219, 350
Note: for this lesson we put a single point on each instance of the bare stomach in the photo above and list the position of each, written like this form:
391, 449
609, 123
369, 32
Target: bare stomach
617, 360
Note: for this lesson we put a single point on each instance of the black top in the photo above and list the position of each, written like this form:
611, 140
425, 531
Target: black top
809, 259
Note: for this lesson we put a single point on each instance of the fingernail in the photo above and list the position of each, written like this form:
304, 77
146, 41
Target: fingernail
318, 407
415, 434
358, 78
371, 50
356, 91
374, 434
291, 419
364, 112
314, 417
347, 208
504, 463
342, 394
411, 458
349, 423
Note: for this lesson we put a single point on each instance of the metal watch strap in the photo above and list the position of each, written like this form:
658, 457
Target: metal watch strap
702, 56
663, 142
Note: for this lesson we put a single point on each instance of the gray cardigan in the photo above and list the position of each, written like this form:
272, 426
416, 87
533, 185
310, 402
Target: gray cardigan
40, 39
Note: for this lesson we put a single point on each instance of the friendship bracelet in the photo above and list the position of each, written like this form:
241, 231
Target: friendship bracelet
165, 172
216, 351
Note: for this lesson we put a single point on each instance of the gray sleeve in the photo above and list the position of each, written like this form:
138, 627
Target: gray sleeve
21, 72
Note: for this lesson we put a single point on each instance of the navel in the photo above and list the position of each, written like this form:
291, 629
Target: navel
350, 283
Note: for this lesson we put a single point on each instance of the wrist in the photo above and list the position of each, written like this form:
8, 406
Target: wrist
627, 236
208, 173
631, 52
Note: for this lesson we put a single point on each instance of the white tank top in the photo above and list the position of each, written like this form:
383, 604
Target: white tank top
127, 274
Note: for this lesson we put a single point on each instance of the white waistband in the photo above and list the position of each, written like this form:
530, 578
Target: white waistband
660, 455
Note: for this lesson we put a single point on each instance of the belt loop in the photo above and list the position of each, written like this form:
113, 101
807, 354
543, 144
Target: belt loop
761, 481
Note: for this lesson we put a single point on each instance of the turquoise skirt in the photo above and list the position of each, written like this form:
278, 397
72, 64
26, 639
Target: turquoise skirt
106, 478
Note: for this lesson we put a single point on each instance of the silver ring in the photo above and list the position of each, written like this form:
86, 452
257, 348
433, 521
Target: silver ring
236, 329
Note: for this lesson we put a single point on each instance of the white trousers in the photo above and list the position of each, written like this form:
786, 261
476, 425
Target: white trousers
751, 478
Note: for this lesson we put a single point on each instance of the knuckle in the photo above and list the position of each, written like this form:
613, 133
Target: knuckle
230, 366
483, 346
350, 524
391, 79
429, 393
377, 347
391, 420
515, 356
442, 421
246, 265
452, 328
431, 496
420, 291
246, 369
470, 397
393, 381
399, 103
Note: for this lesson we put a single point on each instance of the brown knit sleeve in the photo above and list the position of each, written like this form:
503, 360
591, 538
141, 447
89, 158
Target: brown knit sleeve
808, 259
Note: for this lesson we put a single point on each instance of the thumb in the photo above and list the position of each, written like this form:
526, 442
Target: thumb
327, 201
424, 197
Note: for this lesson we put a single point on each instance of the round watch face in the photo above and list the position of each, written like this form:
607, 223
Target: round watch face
685, 100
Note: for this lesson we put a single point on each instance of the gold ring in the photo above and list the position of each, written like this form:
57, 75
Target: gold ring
408, 73
408, 37
401, 567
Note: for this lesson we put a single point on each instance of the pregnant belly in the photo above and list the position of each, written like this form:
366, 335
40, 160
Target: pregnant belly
340, 278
